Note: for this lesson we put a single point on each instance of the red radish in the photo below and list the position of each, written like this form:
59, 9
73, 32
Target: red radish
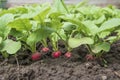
68, 55
90, 57
56, 54
45, 49
36, 56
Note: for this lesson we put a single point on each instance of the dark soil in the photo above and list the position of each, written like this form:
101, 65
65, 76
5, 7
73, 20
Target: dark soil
61, 68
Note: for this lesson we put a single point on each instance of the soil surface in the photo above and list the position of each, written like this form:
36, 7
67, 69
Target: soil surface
62, 68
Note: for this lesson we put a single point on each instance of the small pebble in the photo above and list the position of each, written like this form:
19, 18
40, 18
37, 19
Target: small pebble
88, 65
104, 77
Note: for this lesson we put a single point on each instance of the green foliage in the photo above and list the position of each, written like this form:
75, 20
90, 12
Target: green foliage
41, 16
11, 47
112, 23
60, 7
14, 10
101, 46
75, 25
73, 42
37, 36
21, 25
0, 40
4, 20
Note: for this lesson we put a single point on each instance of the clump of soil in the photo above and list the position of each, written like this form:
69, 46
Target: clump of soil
61, 68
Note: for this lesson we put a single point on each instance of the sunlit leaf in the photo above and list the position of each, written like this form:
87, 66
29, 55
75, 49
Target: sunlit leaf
4, 20
74, 42
93, 29
0, 40
110, 24
11, 46
43, 13
21, 25
101, 47
59, 6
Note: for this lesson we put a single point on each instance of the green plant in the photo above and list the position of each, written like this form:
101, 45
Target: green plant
7, 46
31, 31
22, 28
93, 31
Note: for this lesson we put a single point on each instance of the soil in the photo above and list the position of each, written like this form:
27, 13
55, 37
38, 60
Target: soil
61, 68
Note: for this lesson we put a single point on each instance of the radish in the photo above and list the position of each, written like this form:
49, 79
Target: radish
45, 49
56, 54
68, 55
90, 57
36, 56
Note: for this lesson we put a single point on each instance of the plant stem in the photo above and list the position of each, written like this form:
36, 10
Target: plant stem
18, 68
89, 49
59, 35
66, 44
100, 54
33, 48
64, 5
44, 43
55, 48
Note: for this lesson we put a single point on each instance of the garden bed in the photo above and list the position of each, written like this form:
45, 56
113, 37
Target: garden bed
64, 69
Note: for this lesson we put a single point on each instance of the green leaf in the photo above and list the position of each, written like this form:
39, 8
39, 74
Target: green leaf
118, 33
60, 34
29, 15
0, 40
37, 36
59, 6
72, 19
54, 15
101, 47
43, 13
100, 20
14, 10
5, 54
93, 29
11, 46
112, 39
18, 35
74, 42
110, 24
104, 34
32, 11
34, 25
4, 20
21, 25
54, 37
55, 24
67, 26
